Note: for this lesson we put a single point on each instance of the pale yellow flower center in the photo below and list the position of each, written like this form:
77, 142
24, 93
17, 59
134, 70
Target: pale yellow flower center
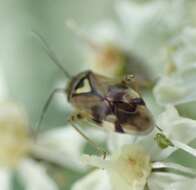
110, 61
14, 139
131, 166
128, 168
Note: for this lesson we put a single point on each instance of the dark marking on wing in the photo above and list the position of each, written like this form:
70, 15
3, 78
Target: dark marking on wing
129, 112
116, 93
99, 112
124, 107
138, 101
80, 83
96, 115
118, 127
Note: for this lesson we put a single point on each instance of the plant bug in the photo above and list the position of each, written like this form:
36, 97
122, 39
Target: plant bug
109, 102
105, 102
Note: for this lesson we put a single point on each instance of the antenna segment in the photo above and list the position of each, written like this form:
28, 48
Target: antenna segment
51, 53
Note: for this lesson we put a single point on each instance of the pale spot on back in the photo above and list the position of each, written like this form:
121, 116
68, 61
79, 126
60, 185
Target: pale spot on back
85, 88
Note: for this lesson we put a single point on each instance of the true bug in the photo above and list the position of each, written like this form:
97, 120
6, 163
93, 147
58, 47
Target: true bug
106, 102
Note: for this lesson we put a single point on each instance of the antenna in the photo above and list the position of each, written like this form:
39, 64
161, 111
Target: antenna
50, 53
74, 27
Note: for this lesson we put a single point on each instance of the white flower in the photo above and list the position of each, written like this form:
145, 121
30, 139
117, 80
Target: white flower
128, 168
139, 39
62, 146
15, 146
34, 176
165, 181
98, 180
184, 184
134, 166
151, 25
110, 54
178, 86
107, 32
131, 169
107, 54
13, 135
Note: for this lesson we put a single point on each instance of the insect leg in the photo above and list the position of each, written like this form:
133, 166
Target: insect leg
96, 146
43, 113
159, 129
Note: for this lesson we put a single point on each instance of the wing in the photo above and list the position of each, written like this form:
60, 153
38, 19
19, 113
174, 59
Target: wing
130, 112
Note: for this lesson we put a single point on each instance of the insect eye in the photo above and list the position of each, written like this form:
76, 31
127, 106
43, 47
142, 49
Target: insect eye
83, 86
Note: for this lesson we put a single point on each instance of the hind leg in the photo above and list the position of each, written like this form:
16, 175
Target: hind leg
74, 120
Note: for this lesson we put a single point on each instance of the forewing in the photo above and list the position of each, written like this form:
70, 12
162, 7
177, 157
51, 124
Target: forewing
132, 115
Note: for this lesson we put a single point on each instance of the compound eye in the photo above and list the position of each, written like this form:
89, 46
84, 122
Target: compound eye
83, 86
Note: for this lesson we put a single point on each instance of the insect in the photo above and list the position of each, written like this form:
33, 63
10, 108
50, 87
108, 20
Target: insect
108, 103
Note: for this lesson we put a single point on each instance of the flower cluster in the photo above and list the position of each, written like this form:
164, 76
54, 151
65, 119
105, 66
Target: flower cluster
20, 150
163, 40
154, 40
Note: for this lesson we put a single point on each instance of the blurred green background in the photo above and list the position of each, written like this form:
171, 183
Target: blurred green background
29, 73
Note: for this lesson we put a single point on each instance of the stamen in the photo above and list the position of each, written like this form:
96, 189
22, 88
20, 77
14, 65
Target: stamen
174, 166
184, 147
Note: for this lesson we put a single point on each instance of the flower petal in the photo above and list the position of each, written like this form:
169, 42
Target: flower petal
96, 180
183, 184
106, 32
174, 166
177, 127
5, 179
63, 146
178, 88
34, 176
154, 150
14, 136
162, 181
185, 147
159, 19
128, 168
179, 85
116, 141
